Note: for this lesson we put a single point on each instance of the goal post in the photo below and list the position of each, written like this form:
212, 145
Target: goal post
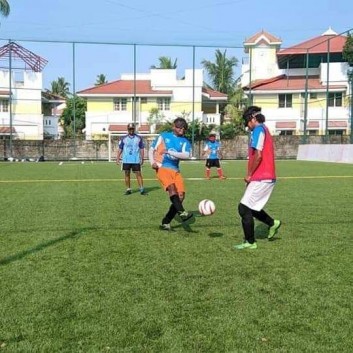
114, 138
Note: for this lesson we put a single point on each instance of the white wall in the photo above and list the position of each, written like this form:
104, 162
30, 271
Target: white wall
326, 153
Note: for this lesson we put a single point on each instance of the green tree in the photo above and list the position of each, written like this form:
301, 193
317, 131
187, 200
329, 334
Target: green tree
221, 72
155, 116
233, 111
60, 87
74, 123
165, 63
101, 79
348, 49
4, 8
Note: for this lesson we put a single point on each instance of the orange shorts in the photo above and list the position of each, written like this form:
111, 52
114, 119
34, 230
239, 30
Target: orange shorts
168, 176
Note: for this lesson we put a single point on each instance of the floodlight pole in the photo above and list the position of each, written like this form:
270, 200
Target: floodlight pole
134, 110
10, 96
250, 100
193, 103
327, 88
74, 96
350, 78
306, 96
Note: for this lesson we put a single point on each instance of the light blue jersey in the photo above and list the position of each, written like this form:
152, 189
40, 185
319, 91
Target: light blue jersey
167, 141
131, 146
212, 149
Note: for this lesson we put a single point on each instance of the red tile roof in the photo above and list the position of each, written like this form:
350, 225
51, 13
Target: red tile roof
291, 83
286, 125
143, 88
122, 128
259, 35
337, 123
212, 94
317, 45
6, 130
125, 87
313, 124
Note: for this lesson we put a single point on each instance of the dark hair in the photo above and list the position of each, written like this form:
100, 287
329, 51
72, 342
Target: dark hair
253, 112
180, 122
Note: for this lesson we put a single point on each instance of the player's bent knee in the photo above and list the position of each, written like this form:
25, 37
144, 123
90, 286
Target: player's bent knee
244, 211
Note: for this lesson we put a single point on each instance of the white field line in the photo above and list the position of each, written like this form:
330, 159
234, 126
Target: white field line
154, 179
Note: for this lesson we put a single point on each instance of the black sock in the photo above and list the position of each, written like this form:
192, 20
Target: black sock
263, 217
170, 215
247, 221
177, 203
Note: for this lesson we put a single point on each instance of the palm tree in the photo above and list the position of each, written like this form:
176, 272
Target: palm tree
165, 63
101, 79
221, 72
4, 8
60, 87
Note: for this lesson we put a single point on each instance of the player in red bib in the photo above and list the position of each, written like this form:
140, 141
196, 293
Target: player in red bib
260, 179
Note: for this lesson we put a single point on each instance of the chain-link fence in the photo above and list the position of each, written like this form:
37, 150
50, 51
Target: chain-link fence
304, 90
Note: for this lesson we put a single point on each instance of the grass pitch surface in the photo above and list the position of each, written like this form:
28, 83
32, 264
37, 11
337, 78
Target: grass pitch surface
84, 268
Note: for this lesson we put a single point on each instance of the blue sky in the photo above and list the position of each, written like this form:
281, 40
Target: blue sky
158, 28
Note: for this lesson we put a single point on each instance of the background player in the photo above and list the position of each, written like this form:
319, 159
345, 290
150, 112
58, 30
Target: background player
213, 153
131, 150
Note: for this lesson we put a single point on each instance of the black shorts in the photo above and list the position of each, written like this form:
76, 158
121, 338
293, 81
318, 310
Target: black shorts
213, 163
135, 167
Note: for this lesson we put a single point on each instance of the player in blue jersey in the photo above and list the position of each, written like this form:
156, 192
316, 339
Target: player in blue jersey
164, 155
213, 153
131, 153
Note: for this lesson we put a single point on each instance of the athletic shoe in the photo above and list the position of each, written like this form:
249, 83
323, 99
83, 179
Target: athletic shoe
222, 177
246, 245
272, 231
143, 192
166, 227
185, 216
127, 192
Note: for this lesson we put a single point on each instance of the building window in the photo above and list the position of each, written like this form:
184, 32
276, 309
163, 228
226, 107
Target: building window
313, 132
120, 104
336, 132
163, 103
143, 100
335, 99
4, 105
286, 133
284, 101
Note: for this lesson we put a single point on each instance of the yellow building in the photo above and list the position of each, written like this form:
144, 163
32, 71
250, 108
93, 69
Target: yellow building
149, 99
302, 89
21, 93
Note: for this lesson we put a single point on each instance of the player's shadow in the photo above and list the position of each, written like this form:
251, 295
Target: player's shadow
196, 218
147, 189
186, 225
215, 235
261, 232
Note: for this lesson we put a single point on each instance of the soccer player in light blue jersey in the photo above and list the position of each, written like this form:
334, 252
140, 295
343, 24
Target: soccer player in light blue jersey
213, 153
164, 155
131, 153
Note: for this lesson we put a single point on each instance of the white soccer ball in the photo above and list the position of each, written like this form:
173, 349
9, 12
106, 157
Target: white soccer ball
207, 207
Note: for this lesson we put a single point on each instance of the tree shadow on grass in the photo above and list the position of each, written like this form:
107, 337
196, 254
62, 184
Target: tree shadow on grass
40, 247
